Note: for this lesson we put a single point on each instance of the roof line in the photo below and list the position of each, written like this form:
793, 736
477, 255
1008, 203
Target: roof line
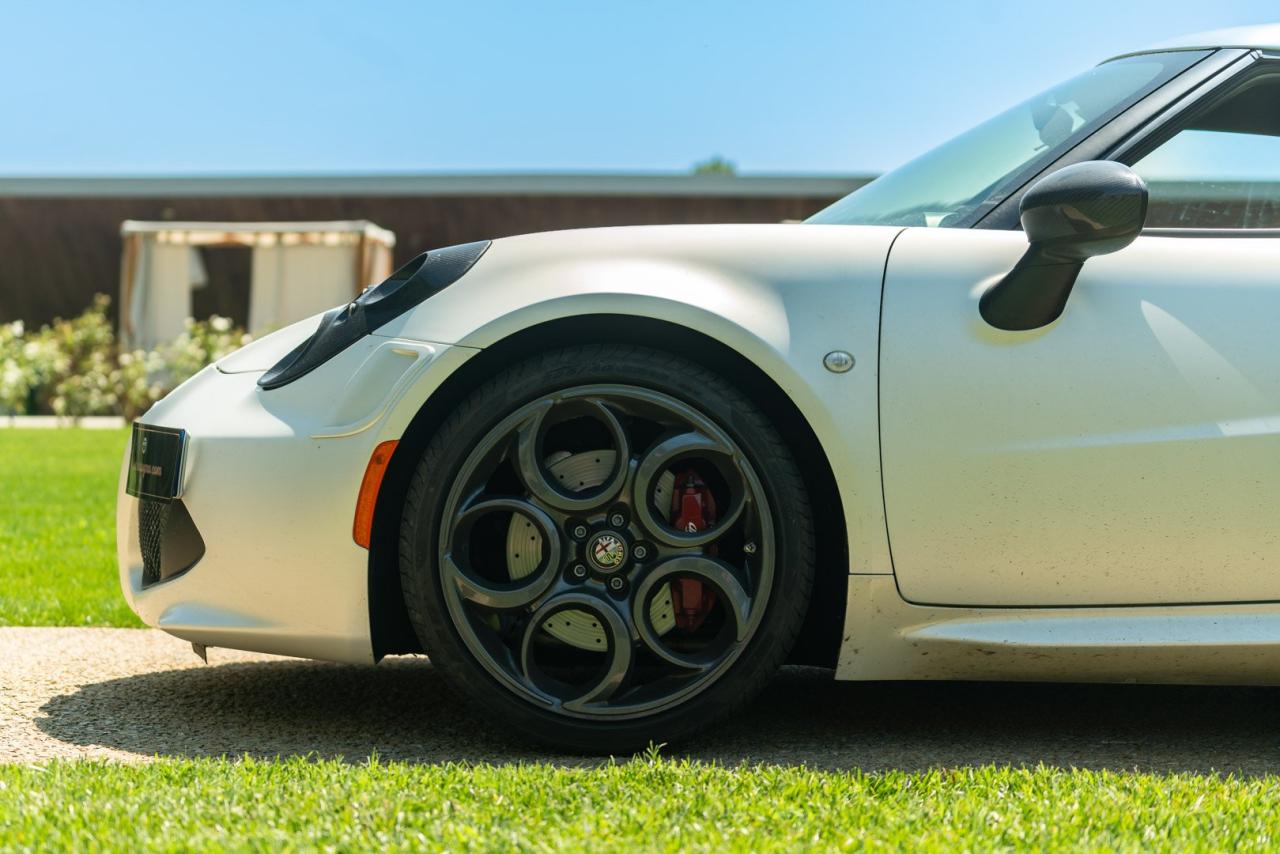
529, 184
1259, 37
346, 226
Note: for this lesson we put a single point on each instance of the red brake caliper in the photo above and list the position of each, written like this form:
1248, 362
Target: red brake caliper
693, 508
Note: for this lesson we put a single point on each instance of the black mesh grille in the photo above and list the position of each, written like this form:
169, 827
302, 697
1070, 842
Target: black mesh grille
153, 517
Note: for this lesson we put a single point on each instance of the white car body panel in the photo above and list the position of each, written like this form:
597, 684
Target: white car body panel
1092, 500
1126, 454
783, 296
887, 638
282, 573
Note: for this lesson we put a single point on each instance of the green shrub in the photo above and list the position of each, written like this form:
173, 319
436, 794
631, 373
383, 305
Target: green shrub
16, 375
74, 367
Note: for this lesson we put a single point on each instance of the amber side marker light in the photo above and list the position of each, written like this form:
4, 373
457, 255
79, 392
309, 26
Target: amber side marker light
367, 500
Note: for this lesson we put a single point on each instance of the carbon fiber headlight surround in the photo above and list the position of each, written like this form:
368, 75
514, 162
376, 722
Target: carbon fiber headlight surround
427, 274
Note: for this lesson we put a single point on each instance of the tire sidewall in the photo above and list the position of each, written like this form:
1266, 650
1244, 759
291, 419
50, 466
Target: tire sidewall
715, 398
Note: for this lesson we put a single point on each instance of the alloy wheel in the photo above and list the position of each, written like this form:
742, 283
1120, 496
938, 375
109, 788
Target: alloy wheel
607, 551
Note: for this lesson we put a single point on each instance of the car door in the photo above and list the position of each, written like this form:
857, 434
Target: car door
1129, 452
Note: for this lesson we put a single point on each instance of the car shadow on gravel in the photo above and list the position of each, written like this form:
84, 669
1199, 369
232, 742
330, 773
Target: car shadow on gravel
401, 710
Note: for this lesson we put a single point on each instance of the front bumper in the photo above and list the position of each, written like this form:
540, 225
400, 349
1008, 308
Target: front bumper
270, 482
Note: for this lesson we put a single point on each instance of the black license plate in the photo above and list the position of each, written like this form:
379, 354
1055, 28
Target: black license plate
155, 462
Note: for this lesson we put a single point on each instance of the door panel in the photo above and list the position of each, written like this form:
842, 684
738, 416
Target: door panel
1129, 453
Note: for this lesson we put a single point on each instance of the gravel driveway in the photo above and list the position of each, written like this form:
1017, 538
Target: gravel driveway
131, 694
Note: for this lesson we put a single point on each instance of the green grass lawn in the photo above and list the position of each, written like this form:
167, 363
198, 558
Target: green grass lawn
57, 528
647, 804
57, 567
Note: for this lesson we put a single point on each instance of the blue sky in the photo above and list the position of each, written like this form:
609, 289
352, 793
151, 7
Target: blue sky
796, 87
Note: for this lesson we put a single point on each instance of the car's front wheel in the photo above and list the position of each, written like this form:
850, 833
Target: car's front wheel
607, 546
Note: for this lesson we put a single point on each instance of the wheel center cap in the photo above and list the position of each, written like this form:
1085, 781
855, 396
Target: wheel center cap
607, 551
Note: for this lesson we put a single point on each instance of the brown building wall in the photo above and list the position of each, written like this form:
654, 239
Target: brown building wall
57, 252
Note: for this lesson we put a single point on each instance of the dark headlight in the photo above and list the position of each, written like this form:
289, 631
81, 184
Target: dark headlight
428, 274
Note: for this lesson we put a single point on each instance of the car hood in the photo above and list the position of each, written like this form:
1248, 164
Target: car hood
700, 263
720, 269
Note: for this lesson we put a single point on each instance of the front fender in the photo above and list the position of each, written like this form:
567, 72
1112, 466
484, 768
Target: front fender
782, 296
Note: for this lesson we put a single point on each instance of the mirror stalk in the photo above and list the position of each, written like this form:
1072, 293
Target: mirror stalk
1034, 293
1091, 208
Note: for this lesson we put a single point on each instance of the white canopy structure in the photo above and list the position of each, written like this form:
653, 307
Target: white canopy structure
299, 269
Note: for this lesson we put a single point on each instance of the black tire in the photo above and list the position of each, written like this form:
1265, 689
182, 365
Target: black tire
777, 606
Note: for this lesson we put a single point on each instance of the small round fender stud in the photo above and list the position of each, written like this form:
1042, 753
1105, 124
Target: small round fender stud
838, 361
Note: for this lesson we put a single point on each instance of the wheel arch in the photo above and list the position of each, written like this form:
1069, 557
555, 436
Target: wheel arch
819, 642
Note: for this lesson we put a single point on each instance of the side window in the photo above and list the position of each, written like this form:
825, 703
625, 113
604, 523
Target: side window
1223, 169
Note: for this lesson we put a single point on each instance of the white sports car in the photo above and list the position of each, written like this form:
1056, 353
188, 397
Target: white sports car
1011, 411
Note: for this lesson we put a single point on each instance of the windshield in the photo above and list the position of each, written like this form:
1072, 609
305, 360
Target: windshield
949, 185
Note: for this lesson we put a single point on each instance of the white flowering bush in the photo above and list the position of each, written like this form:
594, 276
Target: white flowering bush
28, 365
74, 367
84, 381
143, 381
15, 372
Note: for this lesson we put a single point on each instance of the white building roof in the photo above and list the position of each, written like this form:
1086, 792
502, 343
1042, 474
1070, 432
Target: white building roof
260, 233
